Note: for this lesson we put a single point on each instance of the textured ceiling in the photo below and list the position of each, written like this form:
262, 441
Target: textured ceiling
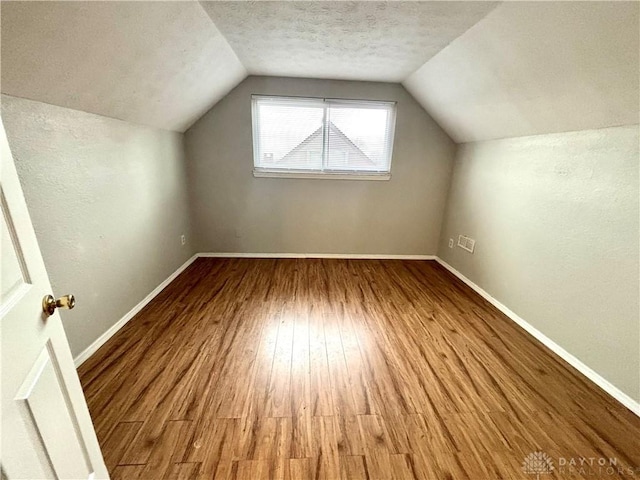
482, 70
534, 68
375, 41
162, 64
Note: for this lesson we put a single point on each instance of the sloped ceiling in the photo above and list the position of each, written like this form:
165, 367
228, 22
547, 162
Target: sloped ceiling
534, 68
162, 64
165, 64
374, 41
483, 70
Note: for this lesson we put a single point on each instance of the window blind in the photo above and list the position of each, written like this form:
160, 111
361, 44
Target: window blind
322, 136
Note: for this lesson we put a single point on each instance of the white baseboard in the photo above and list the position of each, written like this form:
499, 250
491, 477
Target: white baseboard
353, 256
91, 349
596, 378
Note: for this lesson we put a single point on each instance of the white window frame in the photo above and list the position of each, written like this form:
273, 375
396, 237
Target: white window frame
325, 173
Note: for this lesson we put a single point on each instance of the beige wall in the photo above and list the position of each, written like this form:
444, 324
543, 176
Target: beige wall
108, 202
555, 218
235, 212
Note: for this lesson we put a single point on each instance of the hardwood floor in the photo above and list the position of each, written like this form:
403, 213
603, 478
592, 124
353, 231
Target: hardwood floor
342, 369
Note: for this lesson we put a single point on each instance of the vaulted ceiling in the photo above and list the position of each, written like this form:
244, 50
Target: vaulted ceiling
374, 41
482, 69
162, 64
536, 67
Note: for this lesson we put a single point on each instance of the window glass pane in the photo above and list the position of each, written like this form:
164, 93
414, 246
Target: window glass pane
358, 138
290, 135
321, 135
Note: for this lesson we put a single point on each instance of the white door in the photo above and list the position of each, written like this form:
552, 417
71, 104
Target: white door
46, 427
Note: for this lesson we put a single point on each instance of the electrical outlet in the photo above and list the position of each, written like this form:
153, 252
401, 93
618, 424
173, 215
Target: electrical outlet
183, 239
451, 243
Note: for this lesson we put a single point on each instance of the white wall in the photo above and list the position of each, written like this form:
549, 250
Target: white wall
108, 201
235, 212
555, 218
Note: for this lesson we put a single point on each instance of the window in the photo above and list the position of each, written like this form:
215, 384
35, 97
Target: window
315, 137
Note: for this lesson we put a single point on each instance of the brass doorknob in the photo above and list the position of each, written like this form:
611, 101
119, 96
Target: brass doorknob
49, 304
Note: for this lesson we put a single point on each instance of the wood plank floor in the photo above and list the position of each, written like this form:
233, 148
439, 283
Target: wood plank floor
342, 369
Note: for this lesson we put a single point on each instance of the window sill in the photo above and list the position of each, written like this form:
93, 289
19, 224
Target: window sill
321, 176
